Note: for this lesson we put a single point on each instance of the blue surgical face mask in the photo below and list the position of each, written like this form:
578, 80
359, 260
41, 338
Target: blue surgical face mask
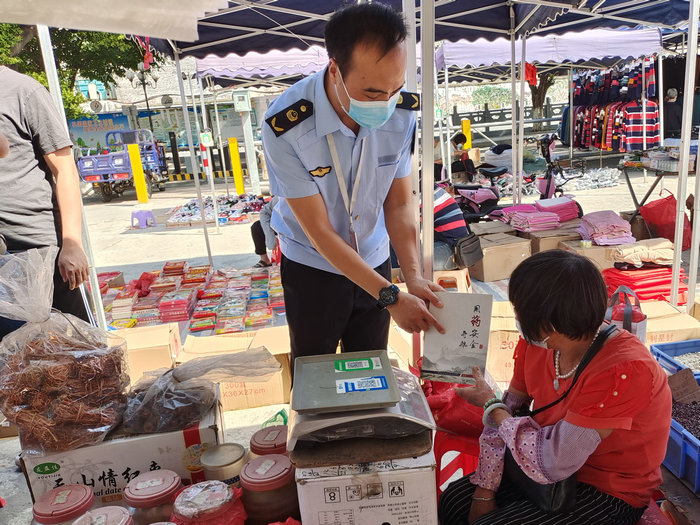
541, 344
368, 113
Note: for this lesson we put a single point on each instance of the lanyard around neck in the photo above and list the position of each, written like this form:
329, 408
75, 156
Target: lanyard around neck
349, 202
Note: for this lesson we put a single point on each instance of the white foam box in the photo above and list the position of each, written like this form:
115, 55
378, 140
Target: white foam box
108, 466
399, 492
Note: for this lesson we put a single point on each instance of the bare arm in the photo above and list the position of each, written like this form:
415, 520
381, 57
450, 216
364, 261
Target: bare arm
72, 262
409, 312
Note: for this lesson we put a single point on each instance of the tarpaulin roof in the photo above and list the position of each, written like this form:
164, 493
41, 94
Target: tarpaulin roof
285, 24
262, 65
262, 25
569, 47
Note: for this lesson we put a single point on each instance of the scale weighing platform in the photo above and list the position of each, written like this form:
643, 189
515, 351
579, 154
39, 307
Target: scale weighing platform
342, 382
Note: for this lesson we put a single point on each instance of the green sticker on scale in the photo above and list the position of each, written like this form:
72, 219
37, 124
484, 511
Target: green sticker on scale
351, 365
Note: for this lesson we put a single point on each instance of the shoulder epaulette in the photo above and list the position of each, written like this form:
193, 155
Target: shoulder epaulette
410, 101
290, 116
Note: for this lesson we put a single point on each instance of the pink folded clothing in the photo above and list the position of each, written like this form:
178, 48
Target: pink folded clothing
507, 213
564, 207
534, 221
605, 228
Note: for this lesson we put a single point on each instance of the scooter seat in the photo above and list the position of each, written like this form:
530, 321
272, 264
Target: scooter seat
458, 187
493, 172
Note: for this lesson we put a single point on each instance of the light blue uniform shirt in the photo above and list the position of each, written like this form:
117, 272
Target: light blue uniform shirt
292, 157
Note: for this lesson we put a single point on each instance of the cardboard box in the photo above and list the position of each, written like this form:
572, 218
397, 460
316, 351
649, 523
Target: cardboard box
600, 255
567, 226
503, 339
151, 347
454, 280
489, 227
110, 465
666, 323
550, 239
252, 394
401, 342
638, 225
399, 491
695, 309
502, 253
7, 429
237, 395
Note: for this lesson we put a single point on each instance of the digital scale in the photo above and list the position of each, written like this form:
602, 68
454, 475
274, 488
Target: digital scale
354, 395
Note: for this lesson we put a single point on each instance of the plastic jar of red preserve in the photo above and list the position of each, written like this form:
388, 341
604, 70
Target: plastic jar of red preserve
112, 515
150, 495
269, 490
209, 503
63, 505
270, 440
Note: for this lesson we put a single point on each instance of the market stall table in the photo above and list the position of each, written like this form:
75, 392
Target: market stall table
658, 177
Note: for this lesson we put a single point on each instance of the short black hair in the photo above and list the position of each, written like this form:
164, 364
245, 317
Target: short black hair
459, 138
374, 24
558, 290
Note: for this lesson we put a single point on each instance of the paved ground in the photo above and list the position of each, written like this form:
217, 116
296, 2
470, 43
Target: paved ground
118, 247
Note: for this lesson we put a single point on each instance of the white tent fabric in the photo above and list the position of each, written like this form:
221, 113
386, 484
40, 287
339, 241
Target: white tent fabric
272, 64
132, 16
569, 47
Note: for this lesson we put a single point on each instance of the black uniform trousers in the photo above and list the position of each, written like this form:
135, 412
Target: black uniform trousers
324, 308
258, 235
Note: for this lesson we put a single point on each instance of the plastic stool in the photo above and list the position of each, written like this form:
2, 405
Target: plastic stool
144, 218
459, 465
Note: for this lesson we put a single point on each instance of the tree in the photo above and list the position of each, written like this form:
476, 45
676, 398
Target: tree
494, 96
539, 96
92, 55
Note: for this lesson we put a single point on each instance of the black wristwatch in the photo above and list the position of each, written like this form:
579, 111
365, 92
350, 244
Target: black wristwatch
388, 296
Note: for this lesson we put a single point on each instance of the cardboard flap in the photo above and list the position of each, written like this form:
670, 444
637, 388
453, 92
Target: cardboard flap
684, 387
500, 239
275, 339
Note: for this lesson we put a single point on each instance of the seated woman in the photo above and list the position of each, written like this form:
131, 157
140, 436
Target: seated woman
612, 429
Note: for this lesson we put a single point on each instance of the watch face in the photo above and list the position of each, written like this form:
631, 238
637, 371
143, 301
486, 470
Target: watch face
388, 295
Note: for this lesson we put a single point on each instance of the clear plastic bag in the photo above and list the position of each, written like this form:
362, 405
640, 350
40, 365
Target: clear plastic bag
26, 284
62, 381
164, 404
174, 399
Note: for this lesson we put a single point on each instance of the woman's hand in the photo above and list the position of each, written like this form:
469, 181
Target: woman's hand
478, 394
480, 507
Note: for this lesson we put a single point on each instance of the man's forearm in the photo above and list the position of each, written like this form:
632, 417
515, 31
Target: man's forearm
67, 194
401, 226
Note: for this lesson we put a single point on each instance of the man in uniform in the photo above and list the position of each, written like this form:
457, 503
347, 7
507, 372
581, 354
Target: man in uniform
338, 150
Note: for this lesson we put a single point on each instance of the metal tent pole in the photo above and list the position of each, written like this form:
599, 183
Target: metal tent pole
571, 116
55, 90
206, 160
513, 153
688, 91
441, 128
219, 141
427, 123
521, 125
660, 98
644, 109
193, 156
448, 118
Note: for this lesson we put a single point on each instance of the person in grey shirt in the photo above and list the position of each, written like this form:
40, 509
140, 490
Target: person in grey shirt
40, 201
264, 237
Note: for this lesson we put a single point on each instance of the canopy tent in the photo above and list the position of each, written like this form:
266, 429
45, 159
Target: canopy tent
273, 64
551, 48
284, 24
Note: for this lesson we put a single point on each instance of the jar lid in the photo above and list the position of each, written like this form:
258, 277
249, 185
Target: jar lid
270, 440
106, 516
149, 489
205, 499
222, 455
268, 472
63, 504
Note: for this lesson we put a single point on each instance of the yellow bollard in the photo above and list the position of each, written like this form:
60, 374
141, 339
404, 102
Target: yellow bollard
235, 157
467, 130
137, 173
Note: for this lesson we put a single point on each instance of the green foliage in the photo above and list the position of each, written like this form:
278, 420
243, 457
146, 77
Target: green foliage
494, 96
92, 55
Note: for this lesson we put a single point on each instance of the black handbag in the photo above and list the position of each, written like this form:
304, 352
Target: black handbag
467, 251
559, 496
